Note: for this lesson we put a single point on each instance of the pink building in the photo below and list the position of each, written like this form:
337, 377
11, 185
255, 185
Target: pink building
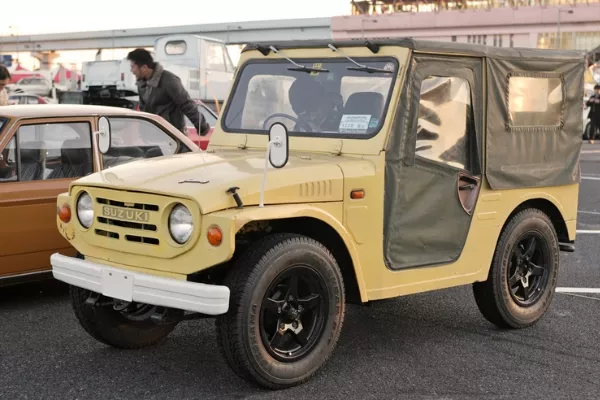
510, 23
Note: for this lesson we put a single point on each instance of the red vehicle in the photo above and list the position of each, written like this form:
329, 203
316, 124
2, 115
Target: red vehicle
191, 132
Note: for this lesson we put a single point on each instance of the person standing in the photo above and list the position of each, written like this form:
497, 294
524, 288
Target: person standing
594, 115
162, 93
4, 80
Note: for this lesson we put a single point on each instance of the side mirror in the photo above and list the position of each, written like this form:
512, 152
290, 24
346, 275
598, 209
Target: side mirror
103, 135
278, 147
277, 153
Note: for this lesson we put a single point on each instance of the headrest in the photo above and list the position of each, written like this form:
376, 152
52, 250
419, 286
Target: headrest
75, 152
303, 93
365, 103
31, 152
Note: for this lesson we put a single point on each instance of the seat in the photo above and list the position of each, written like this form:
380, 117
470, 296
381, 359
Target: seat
76, 160
366, 103
370, 103
32, 161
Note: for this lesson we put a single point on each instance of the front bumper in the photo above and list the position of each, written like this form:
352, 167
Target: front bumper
142, 288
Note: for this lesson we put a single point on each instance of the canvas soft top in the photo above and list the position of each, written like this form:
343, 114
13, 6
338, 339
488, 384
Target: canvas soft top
429, 46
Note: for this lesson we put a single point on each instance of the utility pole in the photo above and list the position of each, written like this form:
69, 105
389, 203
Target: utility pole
558, 26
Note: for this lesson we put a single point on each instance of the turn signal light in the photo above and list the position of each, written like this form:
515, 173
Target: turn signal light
214, 235
64, 213
357, 194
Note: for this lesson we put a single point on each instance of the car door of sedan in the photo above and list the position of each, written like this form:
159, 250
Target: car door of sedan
42, 158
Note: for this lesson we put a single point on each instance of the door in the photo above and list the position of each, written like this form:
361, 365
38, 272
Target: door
218, 70
434, 185
43, 157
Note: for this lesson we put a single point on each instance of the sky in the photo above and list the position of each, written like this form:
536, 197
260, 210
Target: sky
74, 16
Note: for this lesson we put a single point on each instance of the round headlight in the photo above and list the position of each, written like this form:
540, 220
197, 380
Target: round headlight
85, 210
181, 224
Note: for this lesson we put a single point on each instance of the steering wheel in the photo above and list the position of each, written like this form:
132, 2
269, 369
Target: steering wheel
278, 115
298, 124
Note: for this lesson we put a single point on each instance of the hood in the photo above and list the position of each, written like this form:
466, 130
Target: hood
206, 177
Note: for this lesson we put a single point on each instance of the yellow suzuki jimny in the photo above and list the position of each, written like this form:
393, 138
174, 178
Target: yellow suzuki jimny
339, 172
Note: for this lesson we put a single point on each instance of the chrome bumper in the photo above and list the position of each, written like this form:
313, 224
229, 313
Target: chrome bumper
142, 288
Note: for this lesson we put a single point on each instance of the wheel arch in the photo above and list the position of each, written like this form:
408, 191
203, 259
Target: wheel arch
319, 225
551, 209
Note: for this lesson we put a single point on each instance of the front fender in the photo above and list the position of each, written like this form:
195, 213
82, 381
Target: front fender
329, 213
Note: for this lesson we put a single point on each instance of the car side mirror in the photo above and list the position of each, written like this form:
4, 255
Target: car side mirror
278, 147
103, 135
277, 153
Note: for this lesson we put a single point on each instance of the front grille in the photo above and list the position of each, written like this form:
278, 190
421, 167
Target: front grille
132, 216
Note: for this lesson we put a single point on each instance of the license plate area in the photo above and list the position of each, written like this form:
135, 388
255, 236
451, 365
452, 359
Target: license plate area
118, 285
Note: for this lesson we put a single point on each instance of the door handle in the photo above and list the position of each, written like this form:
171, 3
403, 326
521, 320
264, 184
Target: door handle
468, 186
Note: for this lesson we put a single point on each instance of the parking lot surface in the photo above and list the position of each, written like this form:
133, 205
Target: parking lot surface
427, 346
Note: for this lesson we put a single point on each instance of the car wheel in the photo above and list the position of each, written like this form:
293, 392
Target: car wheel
286, 311
119, 324
523, 275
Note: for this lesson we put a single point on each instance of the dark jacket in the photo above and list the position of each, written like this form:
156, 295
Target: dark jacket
163, 94
594, 104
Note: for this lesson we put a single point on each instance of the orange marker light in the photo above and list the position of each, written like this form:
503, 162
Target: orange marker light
64, 213
357, 194
214, 235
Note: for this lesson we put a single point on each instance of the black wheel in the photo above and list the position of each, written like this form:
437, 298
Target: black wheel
523, 275
117, 323
286, 311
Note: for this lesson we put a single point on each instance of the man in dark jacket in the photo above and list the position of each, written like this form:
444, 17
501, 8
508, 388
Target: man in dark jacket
161, 92
594, 115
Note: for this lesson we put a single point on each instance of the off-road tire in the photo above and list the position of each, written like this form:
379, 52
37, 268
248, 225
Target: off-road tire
493, 297
238, 331
109, 327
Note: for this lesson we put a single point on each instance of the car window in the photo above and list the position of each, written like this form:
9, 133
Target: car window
54, 151
208, 116
135, 138
8, 162
216, 57
444, 121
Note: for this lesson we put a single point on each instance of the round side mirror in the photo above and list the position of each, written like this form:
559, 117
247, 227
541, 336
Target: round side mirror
279, 145
103, 135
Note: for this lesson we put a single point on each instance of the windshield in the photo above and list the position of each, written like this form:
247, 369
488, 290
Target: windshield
340, 102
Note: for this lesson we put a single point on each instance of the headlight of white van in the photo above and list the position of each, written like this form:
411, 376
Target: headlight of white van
181, 224
85, 210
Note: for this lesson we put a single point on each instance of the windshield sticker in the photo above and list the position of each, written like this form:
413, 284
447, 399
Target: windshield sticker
374, 122
389, 67
316, 66
354, 123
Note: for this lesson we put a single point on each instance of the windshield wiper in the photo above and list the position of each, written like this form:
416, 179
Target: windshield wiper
359, 67
298, 67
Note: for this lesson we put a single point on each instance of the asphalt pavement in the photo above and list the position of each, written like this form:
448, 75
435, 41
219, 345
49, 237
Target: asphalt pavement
427, 346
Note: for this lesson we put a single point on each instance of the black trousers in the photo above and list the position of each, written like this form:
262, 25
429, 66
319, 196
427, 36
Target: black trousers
594, 131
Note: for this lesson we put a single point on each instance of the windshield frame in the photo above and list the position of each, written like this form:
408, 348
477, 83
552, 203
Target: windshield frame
308, 61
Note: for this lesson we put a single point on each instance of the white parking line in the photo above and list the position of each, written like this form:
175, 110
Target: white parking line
591, 178
590, 232
590, 151
577, 290
589, 212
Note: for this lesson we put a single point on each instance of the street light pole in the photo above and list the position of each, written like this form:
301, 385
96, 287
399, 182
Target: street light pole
558, 26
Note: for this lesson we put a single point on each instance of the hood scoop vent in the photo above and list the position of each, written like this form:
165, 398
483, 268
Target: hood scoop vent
315, 189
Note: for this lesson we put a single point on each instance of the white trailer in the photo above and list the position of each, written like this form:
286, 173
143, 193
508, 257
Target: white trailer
202, 62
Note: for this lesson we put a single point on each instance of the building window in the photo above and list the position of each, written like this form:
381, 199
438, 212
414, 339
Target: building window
454, 38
